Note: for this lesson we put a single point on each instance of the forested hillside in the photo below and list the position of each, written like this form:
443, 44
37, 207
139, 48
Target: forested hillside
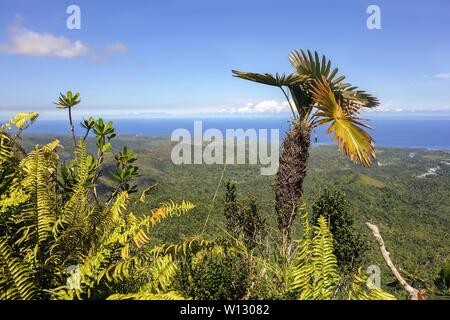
411, 209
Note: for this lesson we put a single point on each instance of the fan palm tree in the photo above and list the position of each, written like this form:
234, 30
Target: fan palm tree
316, 96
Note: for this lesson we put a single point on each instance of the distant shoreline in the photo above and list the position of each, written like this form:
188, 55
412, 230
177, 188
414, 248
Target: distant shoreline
167, 137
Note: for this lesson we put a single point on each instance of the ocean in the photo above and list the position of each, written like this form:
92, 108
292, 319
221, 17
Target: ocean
410, 131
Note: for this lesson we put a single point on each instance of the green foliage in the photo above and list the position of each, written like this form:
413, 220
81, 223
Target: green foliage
104, 133
244, 220
125, 171
318, 98
349, 246
313, 269
310, 272
57, 240
68, 100
11, 152
7, 166
17, 281
412, 211
360, 290
216, 273
321, 97
60, 239
171, 295
442, 280
52, 226
231, 209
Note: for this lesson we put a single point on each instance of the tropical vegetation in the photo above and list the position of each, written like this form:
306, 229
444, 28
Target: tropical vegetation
79, 220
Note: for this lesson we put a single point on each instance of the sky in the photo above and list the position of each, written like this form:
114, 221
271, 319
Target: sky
174, 57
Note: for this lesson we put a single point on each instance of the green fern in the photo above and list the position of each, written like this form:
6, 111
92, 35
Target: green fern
360, 290
40, 173
314, 271
171, 295
6, 152
22, 120
17, 278
55, 224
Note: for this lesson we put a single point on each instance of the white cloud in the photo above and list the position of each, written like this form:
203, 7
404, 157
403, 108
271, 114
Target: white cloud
27, 42
445, 75
442, 75
117, 47
266, 106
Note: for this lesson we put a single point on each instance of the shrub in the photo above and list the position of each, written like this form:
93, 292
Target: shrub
349, 246
219, 273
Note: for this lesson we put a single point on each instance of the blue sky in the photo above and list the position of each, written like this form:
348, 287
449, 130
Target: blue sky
143, 57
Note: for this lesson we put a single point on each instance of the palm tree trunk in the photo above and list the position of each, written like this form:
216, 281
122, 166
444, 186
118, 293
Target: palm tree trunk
291, 173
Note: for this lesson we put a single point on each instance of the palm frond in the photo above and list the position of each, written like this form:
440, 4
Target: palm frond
277, 80
356, 143
313, 68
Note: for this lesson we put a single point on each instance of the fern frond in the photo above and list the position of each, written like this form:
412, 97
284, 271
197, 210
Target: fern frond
40, 169
14, 199
172, 295
22, 120
190, 246
20, 277
162, 273
119, 205
301, 270
107, 219
138, 229
146, 191
313, 271
123, 268
77, 203
5, 148
170, 209
360, 291
324, 261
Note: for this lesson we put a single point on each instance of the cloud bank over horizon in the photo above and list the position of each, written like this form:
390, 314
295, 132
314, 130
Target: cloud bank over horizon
249, 109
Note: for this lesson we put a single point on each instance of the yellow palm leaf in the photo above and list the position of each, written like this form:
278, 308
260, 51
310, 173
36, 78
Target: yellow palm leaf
355, 142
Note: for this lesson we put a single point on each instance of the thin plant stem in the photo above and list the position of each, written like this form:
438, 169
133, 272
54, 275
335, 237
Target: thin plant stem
214, 199
289, 102
72, 128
